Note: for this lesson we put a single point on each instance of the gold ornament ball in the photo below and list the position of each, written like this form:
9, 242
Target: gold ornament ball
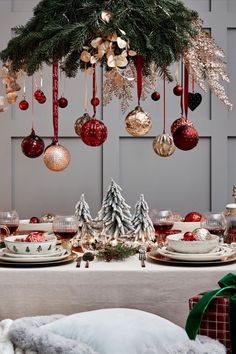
56, 157
163, 145
80, 122
11, 97
138, 123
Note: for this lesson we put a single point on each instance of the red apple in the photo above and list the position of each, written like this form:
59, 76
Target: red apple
193, 217
34, 220
189, 236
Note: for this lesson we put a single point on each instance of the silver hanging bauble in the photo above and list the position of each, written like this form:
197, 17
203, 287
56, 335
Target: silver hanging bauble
138, 123
80, 121
163, 145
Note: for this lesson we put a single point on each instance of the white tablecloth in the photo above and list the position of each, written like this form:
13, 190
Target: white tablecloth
160, 289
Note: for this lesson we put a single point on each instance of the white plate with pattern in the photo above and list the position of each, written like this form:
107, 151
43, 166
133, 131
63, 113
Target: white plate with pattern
64, 254
56, 252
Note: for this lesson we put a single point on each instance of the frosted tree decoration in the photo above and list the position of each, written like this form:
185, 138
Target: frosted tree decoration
82, 212
142, 223
115, 213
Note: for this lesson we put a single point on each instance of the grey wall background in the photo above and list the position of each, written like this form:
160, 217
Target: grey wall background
201, 179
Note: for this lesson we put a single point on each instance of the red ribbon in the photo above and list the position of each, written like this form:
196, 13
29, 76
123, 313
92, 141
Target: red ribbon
139, 65
94, 90
186, 79
164, 93
55, 100
33, 114
182, 84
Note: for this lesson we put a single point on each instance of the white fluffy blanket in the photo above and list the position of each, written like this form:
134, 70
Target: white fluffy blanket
32, 336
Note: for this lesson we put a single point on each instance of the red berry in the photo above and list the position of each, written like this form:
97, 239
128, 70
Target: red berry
95, 101
178, 90
189, 236
62, 102
34, 220
193, 217
155, 96
23, 105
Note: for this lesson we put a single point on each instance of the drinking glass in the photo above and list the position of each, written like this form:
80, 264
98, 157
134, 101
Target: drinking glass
65, 227
11, 220
215, 223
162, 221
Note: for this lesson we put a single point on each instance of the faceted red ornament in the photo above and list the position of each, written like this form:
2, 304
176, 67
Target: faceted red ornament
32, 146
38, 94
179, 123
95, 101
93, 132
189, 236
23, 105
178, 90
155, 96
193, 217
185, 138
42, 99
62, 102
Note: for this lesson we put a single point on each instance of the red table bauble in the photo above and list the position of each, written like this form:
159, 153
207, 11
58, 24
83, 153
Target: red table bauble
38, 94
193, 217
189, 236
94, 132
178, 90
95, 101
42, 99
56, 157
32, 146
34, 220
155, 96
23, 105
185, 138
179, 123
62, 102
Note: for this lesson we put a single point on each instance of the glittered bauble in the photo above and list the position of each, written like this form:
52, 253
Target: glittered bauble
155, 96
62, 102
178, 90
185, 138
163, 145
201, 234
42, 100
194, 100
80, 122
56, 157
138, 123
32, 146
179, 123
193, 216
46, 218
11, 97
95, 101
38, 94
93, 132
23, 105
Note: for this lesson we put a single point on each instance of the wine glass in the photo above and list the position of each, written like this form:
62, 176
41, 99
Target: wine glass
162, 221
215, 223
9, 219
65, 227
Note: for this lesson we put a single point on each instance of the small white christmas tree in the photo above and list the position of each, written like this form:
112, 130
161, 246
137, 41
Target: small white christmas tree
142, 223
115, 213
82, 212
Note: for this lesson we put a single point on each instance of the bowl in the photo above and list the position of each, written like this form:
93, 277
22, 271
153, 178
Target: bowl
32, 248
25, 225
176, 243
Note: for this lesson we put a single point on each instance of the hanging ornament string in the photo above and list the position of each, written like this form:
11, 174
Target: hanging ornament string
186, 80
177, 70
193, 83
85, 89
55, 101
94, 91
164, 99
139, 64
182, 84
33, 113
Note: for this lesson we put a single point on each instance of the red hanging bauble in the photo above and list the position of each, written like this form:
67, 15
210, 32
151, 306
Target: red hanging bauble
23, 105
32, 146
155, 96
185, 137
93, 132
38, 94
178, 90
95, 101
62, 102
42, 100
179, 123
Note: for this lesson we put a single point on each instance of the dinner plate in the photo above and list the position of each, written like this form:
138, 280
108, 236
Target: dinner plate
56, 252
224, 252
58, 262
32, 259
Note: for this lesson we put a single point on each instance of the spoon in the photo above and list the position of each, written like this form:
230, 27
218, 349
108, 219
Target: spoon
88, 257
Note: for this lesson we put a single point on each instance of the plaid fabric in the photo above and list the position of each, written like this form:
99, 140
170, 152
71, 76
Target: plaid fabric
215, 322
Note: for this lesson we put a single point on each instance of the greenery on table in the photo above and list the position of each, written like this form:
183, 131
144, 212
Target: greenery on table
118, 252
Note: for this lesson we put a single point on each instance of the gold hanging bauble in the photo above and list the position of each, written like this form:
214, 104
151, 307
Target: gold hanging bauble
138, 123
11, 97
56, 157
80, 121
163, 145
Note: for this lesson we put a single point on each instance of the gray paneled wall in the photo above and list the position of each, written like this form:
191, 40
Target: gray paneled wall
200, 180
